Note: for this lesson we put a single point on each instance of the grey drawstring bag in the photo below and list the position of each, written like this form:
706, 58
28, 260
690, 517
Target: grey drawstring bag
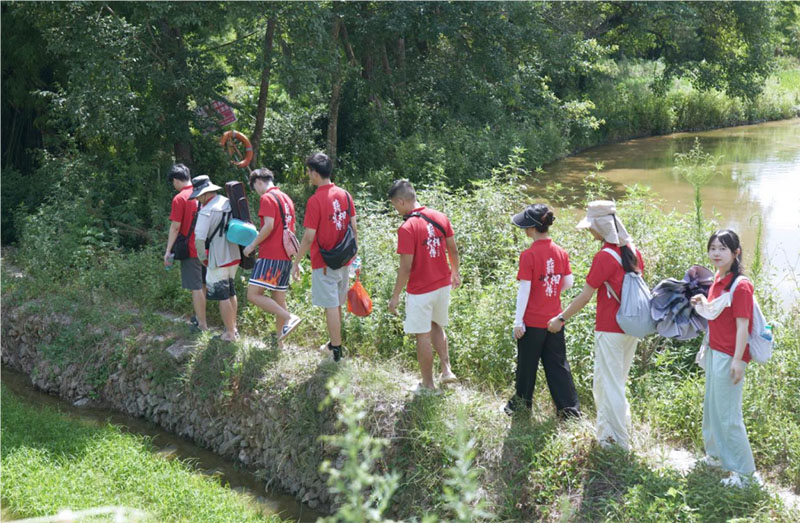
633, 316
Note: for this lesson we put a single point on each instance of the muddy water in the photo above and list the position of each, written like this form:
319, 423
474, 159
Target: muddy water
245, 482
759, 177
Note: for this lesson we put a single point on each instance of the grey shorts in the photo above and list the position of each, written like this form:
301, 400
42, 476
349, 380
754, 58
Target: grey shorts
193, 274
329, 286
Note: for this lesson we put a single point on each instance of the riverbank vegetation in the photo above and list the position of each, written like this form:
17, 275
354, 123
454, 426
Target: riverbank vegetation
527, 468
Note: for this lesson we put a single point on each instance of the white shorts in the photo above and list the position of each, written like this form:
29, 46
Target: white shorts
422, 309
329, 286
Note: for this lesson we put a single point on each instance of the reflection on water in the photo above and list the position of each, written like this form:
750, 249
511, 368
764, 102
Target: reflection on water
237, 479
759, 177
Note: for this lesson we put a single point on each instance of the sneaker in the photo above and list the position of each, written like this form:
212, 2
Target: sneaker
293, 322
425, 391
734, 480
194, 321
327, 348
508, 408
450, 378
710, 461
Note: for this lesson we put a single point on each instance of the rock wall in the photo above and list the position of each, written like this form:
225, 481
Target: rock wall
271, 429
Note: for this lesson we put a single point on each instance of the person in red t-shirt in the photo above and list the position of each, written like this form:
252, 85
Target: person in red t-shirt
425, 241
182, 216
273, 267
613, 349
329, 212
544, 272
724, 433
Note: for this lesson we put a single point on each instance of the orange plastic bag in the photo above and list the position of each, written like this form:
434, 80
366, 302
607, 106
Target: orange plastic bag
358, 301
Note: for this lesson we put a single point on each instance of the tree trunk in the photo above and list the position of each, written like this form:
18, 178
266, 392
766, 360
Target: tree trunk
261, 110
176, 100
336, 92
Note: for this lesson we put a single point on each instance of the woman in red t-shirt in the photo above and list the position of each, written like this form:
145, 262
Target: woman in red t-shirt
613, 349
544, 272
724, 434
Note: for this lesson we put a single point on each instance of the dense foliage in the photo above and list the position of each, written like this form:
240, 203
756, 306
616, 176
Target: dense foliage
427, 91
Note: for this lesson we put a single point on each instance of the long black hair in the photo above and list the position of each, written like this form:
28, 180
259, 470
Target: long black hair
729, 239
630, 263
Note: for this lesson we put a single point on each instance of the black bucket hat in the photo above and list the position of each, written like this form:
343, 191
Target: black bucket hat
531, 216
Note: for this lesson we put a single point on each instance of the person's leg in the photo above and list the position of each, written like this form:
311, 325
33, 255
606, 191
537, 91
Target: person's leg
722, 417
425, 359
559, 377
333, 318
199, 305
613, 412
257, 296
439, 341
227, 310
529, 349
439, 318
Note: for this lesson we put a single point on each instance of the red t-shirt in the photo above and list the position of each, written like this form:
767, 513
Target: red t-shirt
430, 269
183, 211
544, 264
272, 246
326, 212
606, 268
722, 331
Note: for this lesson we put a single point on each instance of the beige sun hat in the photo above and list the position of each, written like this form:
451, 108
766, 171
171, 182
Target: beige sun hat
601, 216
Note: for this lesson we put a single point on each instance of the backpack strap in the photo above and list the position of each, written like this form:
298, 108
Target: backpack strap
609, 290
427, 219
220, 228
280, 209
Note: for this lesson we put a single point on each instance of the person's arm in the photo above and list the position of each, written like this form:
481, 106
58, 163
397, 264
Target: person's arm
174, 229
742, 335
355, 228
580, 301
200, 233
452, 254
305, 246
523, 294
269, 223
403, 272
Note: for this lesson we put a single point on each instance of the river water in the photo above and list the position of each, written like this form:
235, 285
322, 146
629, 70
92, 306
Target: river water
270, 501
759, 176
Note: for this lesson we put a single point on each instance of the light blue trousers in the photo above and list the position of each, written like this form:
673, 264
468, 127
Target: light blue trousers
724, 434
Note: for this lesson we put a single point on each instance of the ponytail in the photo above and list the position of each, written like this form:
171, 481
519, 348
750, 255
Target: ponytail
630, 263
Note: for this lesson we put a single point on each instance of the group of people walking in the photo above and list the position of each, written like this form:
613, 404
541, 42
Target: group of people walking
429, 269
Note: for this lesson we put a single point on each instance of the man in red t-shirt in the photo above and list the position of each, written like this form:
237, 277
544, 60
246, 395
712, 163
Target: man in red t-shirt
182, 219
273, 267
424, 243
329, 212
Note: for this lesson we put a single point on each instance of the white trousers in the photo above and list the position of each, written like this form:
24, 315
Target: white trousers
724, 435
613, 355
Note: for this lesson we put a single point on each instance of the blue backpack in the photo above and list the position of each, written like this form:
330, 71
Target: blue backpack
633, 316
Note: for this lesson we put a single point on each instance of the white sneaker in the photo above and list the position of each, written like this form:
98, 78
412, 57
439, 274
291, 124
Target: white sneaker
734, 480
710, 461
293, 322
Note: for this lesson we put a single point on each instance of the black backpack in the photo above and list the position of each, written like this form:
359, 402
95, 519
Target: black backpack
345, 250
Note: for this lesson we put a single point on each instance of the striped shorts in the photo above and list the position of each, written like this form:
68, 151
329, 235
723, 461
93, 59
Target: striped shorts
271, 274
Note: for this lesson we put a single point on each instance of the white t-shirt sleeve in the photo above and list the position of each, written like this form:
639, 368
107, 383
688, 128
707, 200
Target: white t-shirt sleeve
569, 281
523, 293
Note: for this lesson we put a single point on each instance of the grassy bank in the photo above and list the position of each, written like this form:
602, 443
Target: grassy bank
51, 462
529, 468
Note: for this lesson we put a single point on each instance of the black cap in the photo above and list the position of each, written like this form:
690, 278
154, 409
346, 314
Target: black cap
531, 216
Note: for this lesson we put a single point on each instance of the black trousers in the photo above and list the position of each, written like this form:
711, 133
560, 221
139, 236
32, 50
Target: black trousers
541, 344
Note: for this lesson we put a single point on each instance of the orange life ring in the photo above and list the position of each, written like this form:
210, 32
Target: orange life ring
239, 137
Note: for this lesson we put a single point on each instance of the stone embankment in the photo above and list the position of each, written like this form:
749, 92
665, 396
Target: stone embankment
273, 427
